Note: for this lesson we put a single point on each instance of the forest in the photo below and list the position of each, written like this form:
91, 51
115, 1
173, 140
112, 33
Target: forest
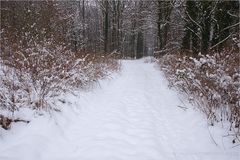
53, 54
132, 28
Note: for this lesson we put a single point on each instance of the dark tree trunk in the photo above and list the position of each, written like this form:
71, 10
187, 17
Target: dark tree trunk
106, 26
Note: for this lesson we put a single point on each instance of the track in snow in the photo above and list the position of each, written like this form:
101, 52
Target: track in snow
133, 117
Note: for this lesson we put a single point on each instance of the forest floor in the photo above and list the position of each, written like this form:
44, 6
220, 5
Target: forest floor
133, 116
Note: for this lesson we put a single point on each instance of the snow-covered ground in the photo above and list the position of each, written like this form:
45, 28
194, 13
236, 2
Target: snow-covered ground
131, 117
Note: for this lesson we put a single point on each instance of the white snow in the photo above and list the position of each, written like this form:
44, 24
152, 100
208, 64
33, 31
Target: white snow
134, 116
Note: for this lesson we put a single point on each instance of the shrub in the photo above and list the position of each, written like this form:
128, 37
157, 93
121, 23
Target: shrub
32, 77
210, 81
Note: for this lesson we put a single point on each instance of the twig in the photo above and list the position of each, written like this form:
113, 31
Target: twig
184, 108
220, 42
212, 137
236, 146
5, 122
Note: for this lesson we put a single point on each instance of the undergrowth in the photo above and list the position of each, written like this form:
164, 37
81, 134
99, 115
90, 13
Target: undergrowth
33, 77
212, 82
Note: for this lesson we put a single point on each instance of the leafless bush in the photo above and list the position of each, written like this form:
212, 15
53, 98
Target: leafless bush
210, 81
33, 77
90, 67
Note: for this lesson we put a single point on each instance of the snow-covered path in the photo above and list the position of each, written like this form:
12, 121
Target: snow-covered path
132, 117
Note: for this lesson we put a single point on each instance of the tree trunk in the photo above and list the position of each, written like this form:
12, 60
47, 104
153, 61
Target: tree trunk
106, 26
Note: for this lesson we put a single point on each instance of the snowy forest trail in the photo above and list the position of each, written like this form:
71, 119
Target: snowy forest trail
133, 117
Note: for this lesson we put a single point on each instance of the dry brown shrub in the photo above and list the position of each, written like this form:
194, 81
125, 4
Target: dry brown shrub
32, 77
211, 81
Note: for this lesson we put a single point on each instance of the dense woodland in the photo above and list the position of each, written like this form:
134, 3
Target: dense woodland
134, 28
